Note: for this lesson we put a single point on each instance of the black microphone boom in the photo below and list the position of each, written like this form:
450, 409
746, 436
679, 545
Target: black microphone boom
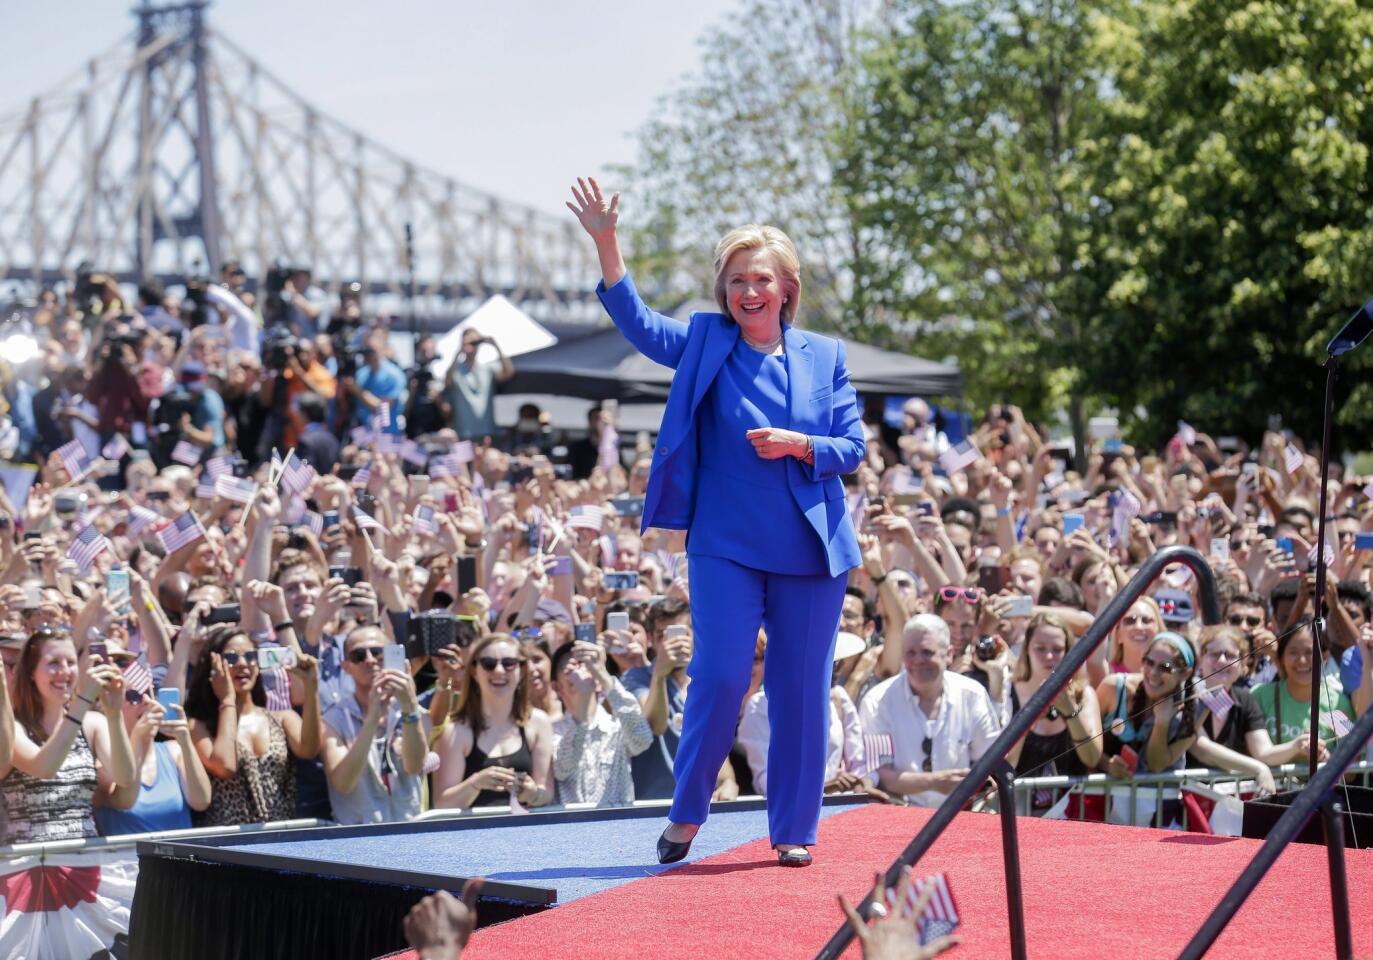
1354, 333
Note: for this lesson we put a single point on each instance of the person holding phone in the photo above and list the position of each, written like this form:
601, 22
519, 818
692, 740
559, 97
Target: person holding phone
594, 745
246, 748
70, 745
494, 747
1149, 712
761, 421
376, 740
1066, 739
471, 386
172, 782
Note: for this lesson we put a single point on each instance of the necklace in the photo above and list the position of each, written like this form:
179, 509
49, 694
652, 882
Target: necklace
764, 347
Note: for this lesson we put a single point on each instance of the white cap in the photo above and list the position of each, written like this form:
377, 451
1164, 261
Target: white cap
848, 645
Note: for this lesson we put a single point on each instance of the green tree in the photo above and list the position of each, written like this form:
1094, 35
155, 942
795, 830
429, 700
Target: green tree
753, 138
965, 173
1233, 171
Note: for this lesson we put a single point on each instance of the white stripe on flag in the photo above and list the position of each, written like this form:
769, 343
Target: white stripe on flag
1292, 458
958, 457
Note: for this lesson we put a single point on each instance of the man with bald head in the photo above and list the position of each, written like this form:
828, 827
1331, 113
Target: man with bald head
939, 722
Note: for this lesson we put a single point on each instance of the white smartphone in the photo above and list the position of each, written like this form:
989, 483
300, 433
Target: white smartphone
1021, 606
1220, 548
276, 658
393, 658
617, 620
675, 630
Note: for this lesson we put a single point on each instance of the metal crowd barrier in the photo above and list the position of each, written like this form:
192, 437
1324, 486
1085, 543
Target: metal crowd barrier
1160, 787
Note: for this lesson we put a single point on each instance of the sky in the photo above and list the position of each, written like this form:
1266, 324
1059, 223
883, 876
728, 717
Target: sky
515, 98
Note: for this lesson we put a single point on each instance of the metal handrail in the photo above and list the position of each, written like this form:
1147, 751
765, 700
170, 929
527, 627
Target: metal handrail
993, 765
1318, 794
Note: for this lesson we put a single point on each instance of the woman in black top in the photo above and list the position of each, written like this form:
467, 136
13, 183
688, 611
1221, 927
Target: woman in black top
1066, 740
1233, 734
496, 745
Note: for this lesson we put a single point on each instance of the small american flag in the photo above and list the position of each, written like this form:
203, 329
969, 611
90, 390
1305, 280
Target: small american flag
1186, 433
235, 489
609, 553
185, 529
363, 476
88, 544
87, 517
446, 465
313, 522
204, 490
587, 517
958, 457
674, 565
940, 917
412, 451
381, 417
362, 436
464, 452
364, 520
1337, 721
424, 519
75, 458
1292, 458
296, 477
186, 452
878, 751
1125, 507
276, 682
390, 444
115, 448
140, 518
1219, 702
137, 677
216, 467
1329, 554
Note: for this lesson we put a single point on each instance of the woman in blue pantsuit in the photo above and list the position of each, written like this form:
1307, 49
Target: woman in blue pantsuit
760, 423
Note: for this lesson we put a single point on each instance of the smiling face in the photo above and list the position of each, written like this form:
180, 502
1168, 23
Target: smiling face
55, 672
301, 586
1164, 669
493, 672
1134, 634
243, 668
753, 291
1298, 658
1222, 660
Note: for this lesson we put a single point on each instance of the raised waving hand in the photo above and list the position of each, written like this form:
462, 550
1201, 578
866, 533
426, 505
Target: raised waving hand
599, 218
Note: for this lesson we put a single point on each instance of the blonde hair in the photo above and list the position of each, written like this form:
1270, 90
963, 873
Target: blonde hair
1038, 622
754, 236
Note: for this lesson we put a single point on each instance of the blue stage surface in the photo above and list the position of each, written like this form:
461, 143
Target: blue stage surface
576, 858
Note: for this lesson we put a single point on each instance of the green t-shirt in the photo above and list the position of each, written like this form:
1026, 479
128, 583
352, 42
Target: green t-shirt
1296, 714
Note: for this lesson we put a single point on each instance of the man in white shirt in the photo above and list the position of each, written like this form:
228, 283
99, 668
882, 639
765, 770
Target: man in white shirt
593, 746
939, 722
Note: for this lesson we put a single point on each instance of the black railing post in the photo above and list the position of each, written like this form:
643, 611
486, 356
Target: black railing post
985, 768
1288, 826
1332, 815
1010, 855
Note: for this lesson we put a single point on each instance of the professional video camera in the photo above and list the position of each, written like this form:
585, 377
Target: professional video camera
274, 312
278, 345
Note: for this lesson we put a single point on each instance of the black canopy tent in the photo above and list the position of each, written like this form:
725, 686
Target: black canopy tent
603, 365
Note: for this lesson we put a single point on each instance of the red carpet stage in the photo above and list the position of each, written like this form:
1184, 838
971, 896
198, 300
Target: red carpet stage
1091, 891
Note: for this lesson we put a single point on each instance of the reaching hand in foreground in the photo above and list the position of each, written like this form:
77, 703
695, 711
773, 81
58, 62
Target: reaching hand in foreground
895, 936
439, 925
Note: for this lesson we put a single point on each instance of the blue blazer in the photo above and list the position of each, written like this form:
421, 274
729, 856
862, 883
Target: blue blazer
822, 403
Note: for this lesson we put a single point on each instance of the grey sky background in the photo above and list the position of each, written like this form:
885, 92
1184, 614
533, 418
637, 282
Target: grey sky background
514, 98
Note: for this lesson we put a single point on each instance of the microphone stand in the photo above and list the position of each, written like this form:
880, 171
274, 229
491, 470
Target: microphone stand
1318, 622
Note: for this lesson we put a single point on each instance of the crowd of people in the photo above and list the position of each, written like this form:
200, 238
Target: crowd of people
262, 573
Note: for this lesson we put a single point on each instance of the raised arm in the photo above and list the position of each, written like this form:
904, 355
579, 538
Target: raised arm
657, 337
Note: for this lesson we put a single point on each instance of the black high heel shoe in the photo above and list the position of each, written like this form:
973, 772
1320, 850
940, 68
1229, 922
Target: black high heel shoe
795, 857
670, 851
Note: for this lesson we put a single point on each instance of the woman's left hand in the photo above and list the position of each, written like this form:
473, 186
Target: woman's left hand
772, 443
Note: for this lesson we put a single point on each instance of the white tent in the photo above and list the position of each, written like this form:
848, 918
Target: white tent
503, 322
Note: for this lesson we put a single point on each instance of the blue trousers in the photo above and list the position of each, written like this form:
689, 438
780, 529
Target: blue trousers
801, 616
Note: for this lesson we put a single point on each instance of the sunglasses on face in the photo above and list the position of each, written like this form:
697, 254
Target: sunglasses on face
363, 654
1235, 620
950, 594
248, 656
489, 664
1163, 666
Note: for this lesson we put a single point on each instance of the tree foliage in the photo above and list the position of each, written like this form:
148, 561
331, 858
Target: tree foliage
1233, 165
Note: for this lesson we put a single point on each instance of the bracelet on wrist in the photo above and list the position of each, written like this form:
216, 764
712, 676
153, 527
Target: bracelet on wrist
283, 626
879, 580
445, 687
